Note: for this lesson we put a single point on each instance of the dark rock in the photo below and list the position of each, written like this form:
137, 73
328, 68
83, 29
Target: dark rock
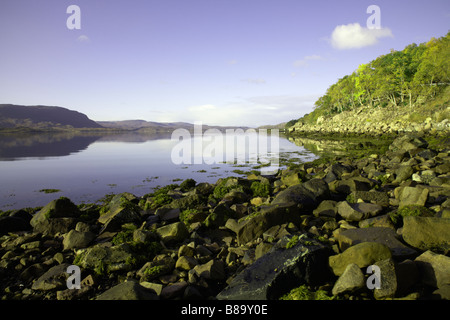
129, 290
358, 211
377, 197
219, 216
59, 208
121, 210
268, 217
13, 224
327, 208
385, 236
388, 281
278, 271
306, 195
174, 232
55, 278
55, 225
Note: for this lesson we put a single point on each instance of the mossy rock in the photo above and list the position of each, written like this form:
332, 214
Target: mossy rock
409, 211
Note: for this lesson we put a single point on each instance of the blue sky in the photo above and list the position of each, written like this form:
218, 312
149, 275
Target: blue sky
222, 62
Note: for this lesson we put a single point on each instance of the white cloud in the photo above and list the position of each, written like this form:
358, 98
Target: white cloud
83, 38
231, 62
304, 62
353, 36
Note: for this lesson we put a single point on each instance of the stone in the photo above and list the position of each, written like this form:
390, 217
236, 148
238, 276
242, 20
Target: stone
383, 221
55, 278
306, 196
77, 240
388, 281
13, 224
219, 216
156, 287
385, 236
427, 233
351, 280
347, 186
261, 249
55, 226
174, 290
268, 217
413, 196
407, 276
168, 214
407, 143
327, 208
128, 290
358, 211
380, 198
403, 173
363, 254
290, 178
59, 208
174, 232
279, 271
121, 210
212, 270
434, 269
186, 263
106, 259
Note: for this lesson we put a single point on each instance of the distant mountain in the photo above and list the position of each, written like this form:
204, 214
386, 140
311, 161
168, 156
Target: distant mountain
149, 126
43, 117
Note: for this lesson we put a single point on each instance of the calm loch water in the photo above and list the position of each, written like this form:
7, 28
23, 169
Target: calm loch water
86, 167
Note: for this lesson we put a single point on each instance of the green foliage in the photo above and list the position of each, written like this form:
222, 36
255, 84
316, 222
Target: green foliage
400, 78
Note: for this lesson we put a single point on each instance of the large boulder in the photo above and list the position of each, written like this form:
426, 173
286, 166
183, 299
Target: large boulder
121, 210
128, 290
434, 269
104, 259
269, 216
358, 211
363, 254
427, 233
13, 224
386, 236
306, 196
279, 271
55, 278
59, 215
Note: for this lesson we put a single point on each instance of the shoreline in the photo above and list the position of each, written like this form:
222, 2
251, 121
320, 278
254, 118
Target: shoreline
213, 238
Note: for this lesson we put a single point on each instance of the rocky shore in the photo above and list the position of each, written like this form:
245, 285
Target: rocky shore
371, 121
369, 228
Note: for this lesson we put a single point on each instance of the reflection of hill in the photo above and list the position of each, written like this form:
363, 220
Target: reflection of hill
16, 146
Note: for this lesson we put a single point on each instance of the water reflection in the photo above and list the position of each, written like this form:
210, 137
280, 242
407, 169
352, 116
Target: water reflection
42, 145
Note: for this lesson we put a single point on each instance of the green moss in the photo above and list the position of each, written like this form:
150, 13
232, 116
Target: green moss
49, 190
124, 236
410, 210
303, 293
260, 189
187, 215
